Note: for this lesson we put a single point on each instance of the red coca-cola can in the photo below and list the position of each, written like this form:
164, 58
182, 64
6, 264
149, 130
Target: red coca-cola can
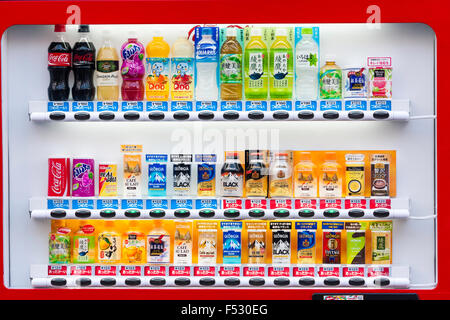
58, 177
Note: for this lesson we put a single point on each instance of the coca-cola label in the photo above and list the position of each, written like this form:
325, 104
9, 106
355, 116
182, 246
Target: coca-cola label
59, 59
80, 59
58, 177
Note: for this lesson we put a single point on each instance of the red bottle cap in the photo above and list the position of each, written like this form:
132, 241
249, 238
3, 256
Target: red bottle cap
60, 28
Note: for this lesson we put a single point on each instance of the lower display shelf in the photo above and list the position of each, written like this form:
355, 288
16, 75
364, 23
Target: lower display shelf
267, 276
218, 208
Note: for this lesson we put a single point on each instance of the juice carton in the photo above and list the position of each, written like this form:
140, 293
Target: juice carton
380, 77
83, 184
256, 63
231, 44
157, 174
381, 233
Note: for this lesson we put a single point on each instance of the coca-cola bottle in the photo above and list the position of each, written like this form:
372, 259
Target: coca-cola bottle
59, 64
83, 56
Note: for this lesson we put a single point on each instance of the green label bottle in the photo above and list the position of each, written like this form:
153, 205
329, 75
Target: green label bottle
255, 67
281, 67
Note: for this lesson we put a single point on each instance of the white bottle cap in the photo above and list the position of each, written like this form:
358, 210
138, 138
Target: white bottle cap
330, 57
280, 32
255, 32
231, 32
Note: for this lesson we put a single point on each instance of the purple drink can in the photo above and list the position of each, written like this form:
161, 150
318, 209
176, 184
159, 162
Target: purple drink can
83, 182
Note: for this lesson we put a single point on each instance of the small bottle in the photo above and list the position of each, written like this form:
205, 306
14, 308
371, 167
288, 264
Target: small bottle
280, 175
231, 67
158, 244
305, 177
330, 79
133, 244
109, 244
83, 248
59, 242
256, 176
232, 176
182, 247
330, 183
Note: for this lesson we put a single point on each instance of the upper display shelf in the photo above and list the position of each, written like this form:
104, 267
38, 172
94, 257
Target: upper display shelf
214, 73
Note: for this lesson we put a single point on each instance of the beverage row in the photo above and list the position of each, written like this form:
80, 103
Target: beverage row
256, 63
250, 173
229, 242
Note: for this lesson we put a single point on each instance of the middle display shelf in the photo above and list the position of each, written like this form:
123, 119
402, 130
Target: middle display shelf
218, 208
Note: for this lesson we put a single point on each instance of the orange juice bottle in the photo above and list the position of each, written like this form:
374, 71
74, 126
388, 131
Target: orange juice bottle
157, 80
305, 177
133, 243
109, 243
330, 182
83, 243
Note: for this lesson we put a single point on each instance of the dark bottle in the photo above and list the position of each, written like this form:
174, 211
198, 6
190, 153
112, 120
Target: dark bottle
59, 65
256, 176
232, 176
83, 56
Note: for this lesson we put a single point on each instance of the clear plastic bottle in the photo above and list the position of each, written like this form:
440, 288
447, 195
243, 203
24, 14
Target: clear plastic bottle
306, 66
206, 88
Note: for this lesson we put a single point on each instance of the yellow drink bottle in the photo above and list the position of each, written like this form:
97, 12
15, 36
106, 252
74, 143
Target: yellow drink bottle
133, 243
305, 177
330, 183
107, 71
157, 80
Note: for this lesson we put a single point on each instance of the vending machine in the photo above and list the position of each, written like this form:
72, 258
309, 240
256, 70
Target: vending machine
171, 147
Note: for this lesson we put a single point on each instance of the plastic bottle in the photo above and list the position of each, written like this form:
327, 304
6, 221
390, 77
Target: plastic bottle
256, 67
182, 70
281, 66
231, 67
109, 243
83, 62
107, 75
59, 242
232, 176
306, 66
206, 88
132, 70
280, 176
256, 176
305, 177
133, 244
330, 79
59, 65
83, 244
157, 80
158, 244
330, 182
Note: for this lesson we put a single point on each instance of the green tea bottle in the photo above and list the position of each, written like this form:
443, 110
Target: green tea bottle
255, 67
281, 66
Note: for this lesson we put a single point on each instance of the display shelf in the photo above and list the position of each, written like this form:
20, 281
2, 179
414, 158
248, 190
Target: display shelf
348, 109
218, 208
295, 276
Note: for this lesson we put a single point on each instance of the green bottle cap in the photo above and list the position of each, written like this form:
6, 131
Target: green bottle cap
307, 31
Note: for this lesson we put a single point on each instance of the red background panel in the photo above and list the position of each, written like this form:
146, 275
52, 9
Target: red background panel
433, 13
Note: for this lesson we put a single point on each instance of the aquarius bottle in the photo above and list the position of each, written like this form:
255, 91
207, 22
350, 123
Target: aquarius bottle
157, 80
206, 66
231, 67
281, 66
132, 70
256, 67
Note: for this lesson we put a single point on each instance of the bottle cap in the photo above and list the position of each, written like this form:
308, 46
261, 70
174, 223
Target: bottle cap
281, 32
60, 28
330, 58
232, 155
206, 31
231, 32
307, 31
255, 32
83, 28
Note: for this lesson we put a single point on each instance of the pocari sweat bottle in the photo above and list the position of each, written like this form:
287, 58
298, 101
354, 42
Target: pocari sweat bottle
306, 66
206, 50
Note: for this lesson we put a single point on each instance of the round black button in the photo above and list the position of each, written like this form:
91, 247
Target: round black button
182, 281
381, 213
58, 282
255, 115
280, 115
108, 282
82, 116
206, 213
232, 281
206, 115
132, 213
207, 281
281, 213
281, 282
331, 213
181, 115
83, 282
107, 213
257, 282
382, 282
305, 115
356, 115
83, 213
231, 115
306, 281
182, 213
58, 213
131, 116
231, 213
356, 282
381, 115
157, 281
356, 213
256, 213
58, 116
156, 115
331, 282
331, 115
132, 281
157, 213
306, 213
106, 116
